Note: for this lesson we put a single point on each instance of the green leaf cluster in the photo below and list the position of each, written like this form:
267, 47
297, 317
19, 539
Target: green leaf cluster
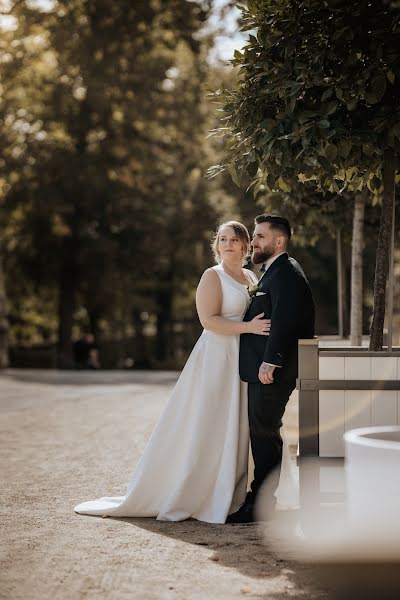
319, 95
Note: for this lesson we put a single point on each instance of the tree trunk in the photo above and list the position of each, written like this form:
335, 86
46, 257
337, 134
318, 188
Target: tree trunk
383, 251
141, 348
346, 305
66, 309
356, 311
94, 320
163, 326
341, 295
164, 317
3, 321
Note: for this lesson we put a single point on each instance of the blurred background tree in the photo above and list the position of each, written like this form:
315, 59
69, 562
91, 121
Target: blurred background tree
103, 161
105, 211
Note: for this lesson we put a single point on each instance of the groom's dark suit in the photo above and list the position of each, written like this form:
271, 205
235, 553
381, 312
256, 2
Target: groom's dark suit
285, 297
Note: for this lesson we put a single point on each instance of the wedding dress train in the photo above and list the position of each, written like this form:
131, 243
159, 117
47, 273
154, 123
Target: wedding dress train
196, 461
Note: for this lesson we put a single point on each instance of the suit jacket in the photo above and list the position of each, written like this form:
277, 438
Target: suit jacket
284, 296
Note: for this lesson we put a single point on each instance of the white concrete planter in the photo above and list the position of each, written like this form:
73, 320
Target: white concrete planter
341, 389
364, 529
373, 487
343, 410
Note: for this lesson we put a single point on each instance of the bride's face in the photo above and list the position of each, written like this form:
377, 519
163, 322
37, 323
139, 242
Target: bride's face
230, 247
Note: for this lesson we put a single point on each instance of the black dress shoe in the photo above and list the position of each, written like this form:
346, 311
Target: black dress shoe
245, 514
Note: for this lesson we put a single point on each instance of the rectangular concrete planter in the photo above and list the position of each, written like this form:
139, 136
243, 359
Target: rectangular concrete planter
342, 389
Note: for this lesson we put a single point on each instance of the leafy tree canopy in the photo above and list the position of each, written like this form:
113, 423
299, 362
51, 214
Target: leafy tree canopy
319, 93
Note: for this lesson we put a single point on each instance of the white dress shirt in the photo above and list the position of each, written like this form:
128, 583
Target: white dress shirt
269, 262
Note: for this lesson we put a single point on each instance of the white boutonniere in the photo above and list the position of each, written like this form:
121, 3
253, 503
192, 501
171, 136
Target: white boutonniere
253, 289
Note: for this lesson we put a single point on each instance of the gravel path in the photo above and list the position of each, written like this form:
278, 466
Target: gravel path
68, 437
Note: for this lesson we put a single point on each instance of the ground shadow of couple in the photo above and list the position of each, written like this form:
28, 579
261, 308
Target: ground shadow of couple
252, 549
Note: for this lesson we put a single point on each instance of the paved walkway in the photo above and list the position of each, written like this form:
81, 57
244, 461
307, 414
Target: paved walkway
70, 436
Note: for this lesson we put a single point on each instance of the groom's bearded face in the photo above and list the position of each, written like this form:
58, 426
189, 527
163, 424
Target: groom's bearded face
265, 243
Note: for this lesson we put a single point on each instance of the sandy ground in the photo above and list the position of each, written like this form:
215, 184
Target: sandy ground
69, 437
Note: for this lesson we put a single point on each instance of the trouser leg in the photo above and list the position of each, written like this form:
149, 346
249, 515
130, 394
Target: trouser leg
266, 407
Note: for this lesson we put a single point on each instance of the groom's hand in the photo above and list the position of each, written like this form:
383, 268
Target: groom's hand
266, 373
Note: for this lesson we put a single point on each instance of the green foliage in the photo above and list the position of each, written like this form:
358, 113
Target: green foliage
319, 100
102, 158
318, 96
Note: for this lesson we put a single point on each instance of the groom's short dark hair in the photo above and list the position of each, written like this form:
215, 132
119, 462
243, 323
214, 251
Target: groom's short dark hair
276, 222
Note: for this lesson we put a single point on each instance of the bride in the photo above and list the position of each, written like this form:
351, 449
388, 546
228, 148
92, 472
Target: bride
195, 463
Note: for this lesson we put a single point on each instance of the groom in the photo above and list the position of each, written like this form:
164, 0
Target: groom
269, 365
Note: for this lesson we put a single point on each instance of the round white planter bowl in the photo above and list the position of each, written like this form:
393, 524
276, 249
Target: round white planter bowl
373, 490
365, 529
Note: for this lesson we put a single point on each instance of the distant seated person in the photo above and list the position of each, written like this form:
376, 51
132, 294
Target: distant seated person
86, 354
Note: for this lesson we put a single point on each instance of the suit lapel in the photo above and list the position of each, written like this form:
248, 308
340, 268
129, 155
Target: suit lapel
275, 265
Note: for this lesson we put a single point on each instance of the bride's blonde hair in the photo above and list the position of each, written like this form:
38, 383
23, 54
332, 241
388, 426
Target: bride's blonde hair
240, 230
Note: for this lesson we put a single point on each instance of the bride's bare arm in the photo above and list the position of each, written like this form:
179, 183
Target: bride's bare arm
209, 303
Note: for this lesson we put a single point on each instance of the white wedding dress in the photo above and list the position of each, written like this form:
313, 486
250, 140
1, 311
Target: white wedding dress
196, 461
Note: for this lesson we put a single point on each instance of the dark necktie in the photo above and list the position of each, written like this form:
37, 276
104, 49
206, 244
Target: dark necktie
262, 269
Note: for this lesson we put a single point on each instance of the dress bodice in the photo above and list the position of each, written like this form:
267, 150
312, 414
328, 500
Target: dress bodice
235, 296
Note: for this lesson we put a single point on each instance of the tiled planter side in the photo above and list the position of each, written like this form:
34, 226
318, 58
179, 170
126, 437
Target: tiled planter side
342, 410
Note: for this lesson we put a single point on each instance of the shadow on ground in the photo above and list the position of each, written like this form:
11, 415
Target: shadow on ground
248, 549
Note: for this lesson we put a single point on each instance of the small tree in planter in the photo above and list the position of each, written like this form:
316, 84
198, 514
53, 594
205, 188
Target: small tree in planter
319, 99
